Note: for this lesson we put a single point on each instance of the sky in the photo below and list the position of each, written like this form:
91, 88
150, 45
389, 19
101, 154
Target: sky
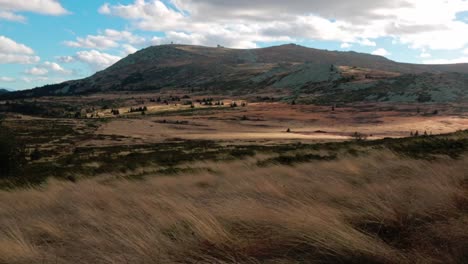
50, 41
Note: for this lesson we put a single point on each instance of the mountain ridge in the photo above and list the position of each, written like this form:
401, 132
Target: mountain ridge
295, 69
4, 90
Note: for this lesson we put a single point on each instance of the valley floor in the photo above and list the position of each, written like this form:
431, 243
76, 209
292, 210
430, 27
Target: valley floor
271, 121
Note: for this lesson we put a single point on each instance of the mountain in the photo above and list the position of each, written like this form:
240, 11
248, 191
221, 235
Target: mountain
4, 91
310, 75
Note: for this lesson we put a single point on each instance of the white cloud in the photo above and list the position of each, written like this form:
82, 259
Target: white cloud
48, 7
126, 36
96, 59
55, 67
34, 79
243, 23
18, 59
65, 59
366, 42
93, 42
36, 71
345, 45
465, 51
129, 49
47, 68
381, 52
425, 55
10, 16
104, 9
7, 79
110, 38
10, 8
12, 52
10, 46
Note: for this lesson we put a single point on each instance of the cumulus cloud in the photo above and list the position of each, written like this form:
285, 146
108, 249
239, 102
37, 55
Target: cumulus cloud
93, 42
366, 42
10, 8
96, 60
47, 68
36, 71
425, 55
7, 79
10, 16
124, 35
110, 38
381, 52
53, 66
12, 52
34, 79
129, 49
418, 24
10, 46
65, 59
345, 45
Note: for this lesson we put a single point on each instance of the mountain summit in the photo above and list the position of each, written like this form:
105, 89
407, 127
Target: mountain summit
300, 72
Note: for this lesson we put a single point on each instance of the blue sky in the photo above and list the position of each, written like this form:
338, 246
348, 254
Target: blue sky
49, 41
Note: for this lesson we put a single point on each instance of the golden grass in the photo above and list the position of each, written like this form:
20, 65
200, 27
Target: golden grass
374, 209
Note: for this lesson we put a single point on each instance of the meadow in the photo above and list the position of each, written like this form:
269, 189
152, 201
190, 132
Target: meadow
205, 185
380, 207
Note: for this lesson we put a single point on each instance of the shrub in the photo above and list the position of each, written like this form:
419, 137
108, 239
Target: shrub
359, 136
12, 156
35, 155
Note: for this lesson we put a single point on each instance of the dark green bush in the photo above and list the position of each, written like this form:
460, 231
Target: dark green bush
12, 156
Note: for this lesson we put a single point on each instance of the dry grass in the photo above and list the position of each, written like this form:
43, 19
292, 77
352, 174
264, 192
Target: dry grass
374, 209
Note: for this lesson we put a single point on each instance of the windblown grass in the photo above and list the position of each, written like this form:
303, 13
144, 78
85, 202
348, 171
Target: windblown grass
380, 208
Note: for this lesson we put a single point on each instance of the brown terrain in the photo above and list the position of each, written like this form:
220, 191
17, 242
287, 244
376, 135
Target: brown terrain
185, 154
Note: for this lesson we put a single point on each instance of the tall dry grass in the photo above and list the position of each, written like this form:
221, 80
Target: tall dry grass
374, 209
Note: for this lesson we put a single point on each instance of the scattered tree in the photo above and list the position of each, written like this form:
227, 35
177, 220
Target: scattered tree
359, 136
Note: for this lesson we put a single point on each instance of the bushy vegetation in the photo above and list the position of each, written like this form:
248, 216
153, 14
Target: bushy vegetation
12, 156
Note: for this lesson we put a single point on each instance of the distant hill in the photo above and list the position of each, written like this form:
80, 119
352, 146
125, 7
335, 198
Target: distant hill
4, 91
310, 75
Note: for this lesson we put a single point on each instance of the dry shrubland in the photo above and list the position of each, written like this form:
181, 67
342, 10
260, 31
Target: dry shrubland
377, 208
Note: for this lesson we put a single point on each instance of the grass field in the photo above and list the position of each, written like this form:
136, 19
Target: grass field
231, 185
376, 208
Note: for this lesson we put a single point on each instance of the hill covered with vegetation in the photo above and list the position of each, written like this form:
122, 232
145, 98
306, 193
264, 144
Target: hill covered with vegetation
300, 73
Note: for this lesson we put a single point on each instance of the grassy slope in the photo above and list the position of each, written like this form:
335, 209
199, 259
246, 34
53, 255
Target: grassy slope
352, 210
286, 204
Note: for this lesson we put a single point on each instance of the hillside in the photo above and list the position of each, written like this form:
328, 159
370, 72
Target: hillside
306, 74
3, 91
